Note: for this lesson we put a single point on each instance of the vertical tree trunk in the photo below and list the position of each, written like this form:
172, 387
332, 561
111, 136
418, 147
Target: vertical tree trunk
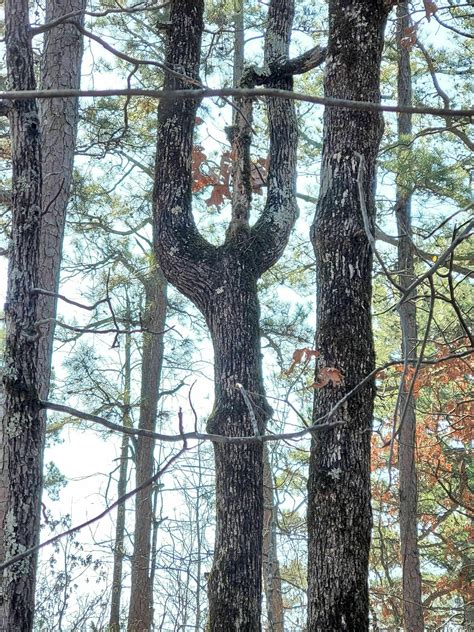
271, 567
235, 581
140, 615
117, 579
61, 68
22, 430
408, 480
241, 140
339, 511
199, 542
222, 282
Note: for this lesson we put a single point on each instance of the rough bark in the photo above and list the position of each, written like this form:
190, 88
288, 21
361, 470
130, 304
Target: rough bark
22, 431
61, 68
408, 479
119, 551
141, 596
271, 566
222, 282
339, 511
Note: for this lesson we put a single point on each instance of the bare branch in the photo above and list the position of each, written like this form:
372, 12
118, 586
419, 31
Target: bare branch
136, 8
119, 501
251, 93
322, 423
464, 234
38, 290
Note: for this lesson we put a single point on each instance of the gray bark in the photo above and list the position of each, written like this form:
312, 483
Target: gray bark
339, 511
271, 566
222, 282
408, 479
58, 121
140, 615
21, 429
119, 551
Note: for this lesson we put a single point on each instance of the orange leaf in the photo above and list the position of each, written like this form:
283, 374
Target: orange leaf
219, 192
328, 375
409, 37
298, 356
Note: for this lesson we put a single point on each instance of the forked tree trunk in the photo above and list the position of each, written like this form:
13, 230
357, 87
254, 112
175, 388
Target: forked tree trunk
140, 615
58, 121
339, 511
22, 429
222, 282
408, 479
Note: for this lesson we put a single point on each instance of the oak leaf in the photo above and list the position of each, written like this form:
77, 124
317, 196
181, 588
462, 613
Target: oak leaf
298, 356
327, 375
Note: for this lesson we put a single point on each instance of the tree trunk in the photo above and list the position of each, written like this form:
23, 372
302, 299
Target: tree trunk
222, 282
22, 428
339, 511
119, 552
61, 68
408, 480
271, 567
141, 596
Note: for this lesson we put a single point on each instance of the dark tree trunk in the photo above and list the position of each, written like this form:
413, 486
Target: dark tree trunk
408, 479
339, 511
222, 282
58, 119
22, 428
140, 615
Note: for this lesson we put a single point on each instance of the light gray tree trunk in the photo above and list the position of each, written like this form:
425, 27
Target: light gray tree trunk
271, 566
119, 551
60, 68
408, 479
140, 615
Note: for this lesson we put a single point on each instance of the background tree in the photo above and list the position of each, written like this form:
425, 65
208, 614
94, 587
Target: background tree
408, 486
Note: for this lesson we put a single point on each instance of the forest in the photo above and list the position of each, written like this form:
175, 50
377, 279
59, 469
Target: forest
236, 325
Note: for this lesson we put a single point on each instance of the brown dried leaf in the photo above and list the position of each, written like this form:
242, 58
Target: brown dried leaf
298, 356
328, 375
430, 8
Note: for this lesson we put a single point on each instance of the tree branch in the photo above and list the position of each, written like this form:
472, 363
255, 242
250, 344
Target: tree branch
272, 229
253, 93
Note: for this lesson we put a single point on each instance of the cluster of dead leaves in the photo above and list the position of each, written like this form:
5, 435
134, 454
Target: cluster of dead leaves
410, 32
208, 173
327, 375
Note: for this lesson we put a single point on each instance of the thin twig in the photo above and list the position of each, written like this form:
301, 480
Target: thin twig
102, 514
